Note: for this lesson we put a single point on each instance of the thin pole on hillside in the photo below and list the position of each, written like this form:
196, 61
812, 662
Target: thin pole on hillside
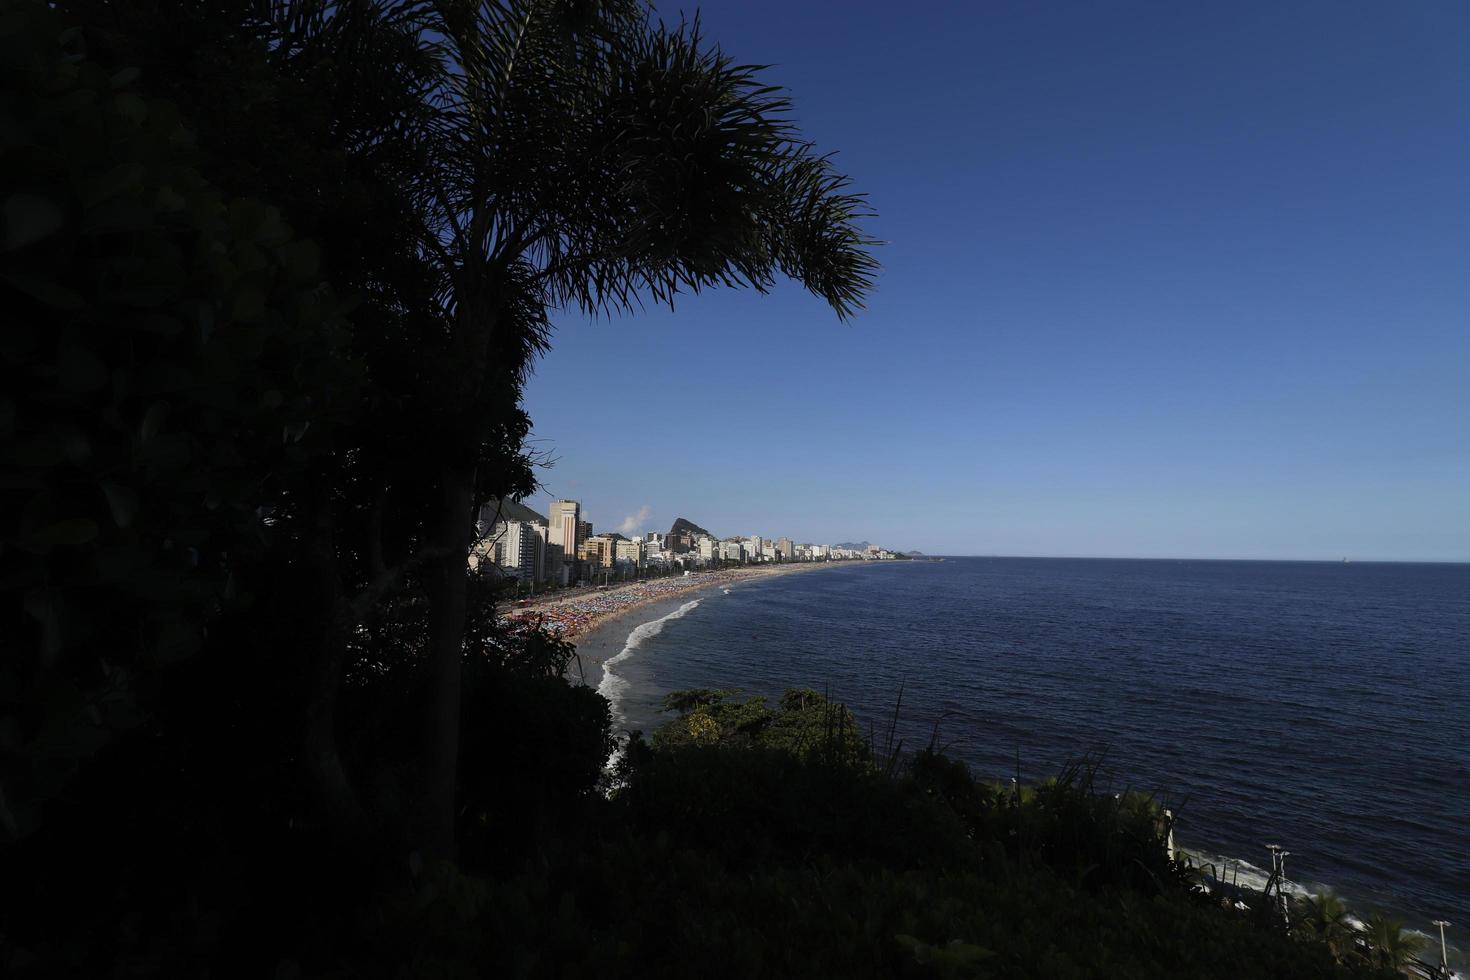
1444, 955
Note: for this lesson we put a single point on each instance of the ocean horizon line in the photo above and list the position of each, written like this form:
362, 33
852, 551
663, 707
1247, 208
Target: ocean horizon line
1348, 560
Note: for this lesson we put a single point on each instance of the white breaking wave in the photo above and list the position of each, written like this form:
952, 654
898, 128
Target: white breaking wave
1246, 875
612, 686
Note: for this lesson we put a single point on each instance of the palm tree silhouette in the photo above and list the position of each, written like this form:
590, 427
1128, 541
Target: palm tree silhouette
1390, 946
578, 155
1325, 917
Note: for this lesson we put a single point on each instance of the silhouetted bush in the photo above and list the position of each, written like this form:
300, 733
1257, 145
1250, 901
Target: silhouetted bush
748, 805
726, 861
532, 763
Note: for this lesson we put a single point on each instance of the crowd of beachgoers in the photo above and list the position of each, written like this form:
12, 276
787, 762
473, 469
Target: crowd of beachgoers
574, 615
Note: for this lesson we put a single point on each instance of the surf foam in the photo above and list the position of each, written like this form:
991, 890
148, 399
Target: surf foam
1247, 875
614, 687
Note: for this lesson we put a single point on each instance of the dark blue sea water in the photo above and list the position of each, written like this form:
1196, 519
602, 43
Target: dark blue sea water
1325, 707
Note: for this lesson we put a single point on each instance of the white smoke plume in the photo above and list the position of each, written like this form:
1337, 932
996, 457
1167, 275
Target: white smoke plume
634, 522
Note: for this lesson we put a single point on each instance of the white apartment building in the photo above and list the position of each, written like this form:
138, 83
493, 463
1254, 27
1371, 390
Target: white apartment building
631, 552
519, 549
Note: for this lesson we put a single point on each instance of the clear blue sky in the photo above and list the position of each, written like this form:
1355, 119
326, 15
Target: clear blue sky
1159, 280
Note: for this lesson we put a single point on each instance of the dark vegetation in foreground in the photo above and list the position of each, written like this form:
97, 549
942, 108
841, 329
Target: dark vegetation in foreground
746, 840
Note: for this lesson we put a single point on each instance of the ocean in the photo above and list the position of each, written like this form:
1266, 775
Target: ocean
1321, 706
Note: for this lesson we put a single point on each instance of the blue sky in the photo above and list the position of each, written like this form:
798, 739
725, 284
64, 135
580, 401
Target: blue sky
1159, 280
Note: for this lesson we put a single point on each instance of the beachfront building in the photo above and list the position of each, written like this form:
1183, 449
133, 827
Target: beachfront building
821, 552
707, 547
630, 553
494, 511
519, 550
785, 549
562, 530
510, 536
753, 548
732, 550
543, 564
602, 549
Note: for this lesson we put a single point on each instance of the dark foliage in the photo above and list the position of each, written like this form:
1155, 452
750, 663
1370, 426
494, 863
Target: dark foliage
743, 861
804, 723
174, 366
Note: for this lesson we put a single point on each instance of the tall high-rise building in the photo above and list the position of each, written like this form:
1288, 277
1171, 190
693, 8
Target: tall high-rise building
544, 563
519, 549
562, 531
784, 546
513, 536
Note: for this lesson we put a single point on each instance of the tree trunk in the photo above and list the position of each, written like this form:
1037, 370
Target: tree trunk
325, 638
332, 788
446, 575
460, 423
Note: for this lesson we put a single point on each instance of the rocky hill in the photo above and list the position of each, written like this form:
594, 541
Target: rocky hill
683, 526
509, 510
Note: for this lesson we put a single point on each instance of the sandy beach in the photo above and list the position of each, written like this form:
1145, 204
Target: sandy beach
593, 617
582, 610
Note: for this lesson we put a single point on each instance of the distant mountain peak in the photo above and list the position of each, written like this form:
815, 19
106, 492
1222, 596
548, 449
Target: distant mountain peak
506, 509
683, 526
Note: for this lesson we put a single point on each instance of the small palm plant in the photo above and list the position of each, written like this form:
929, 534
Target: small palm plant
1390, 946
1324, 917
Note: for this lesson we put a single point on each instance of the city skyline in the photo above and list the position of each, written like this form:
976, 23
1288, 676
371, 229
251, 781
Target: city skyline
1195, 297
649, 521
561, 548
